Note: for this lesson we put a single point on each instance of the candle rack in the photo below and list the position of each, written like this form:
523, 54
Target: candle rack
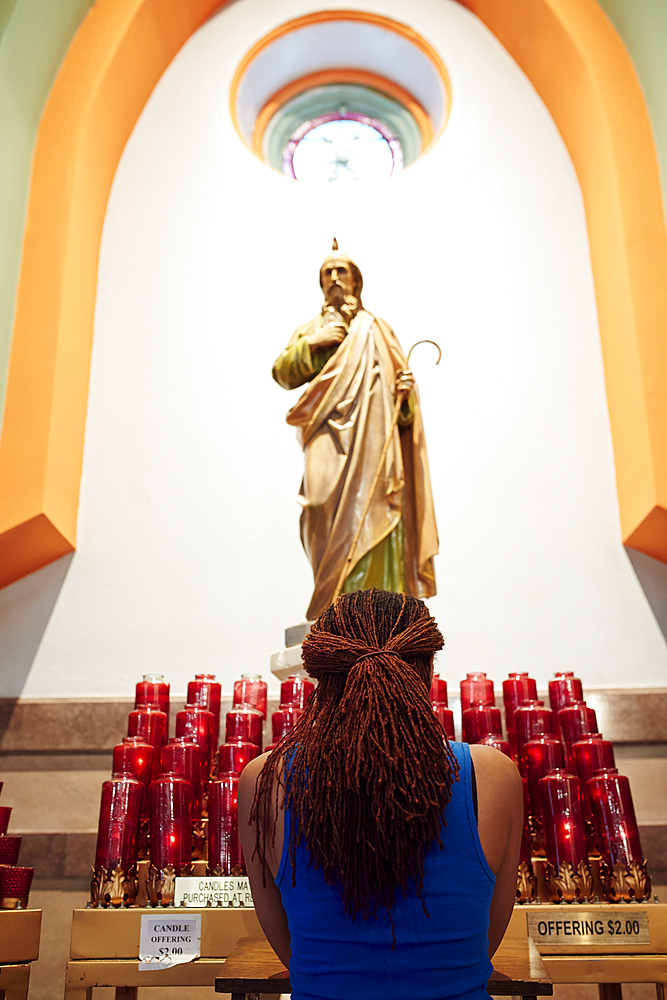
161, 883
526, 883
567, 884
629, 883
117, 888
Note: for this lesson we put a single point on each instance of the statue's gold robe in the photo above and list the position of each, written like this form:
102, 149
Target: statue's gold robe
343, 419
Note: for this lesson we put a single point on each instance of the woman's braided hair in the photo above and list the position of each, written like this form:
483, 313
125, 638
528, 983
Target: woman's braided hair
370, 772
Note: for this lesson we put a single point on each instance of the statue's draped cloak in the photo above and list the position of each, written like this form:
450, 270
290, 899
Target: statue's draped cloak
343, 419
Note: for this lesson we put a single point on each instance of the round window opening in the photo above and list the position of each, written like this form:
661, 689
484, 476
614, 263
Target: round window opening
342, 147
342, 133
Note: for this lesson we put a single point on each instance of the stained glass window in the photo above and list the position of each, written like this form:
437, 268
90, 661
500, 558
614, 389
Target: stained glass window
342, 148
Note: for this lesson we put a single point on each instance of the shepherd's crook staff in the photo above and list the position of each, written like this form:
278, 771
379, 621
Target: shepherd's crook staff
401, 393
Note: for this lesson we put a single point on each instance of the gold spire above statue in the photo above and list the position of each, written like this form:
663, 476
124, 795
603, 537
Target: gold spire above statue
355, 370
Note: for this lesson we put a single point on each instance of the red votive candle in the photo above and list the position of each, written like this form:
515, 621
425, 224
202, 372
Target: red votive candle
525, 853
531, 719
563, 818
480, 720
171, 822
476, 689
198, 723
282, 720
205, 691
296, 690
496, 740
564, 690
438, 690
15, 885
153, 690
574, 721
541, 755
10, 845
590, 754
224, 845
5, 814
244, 723
445, 717
118, 830
251, 690
135, 756
150, 723
183, 756
614, 818
518, 687
235, 756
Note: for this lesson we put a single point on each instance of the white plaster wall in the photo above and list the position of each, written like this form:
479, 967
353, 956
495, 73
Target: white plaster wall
188, 552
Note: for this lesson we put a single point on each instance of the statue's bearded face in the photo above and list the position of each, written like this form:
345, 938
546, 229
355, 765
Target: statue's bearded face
337, 282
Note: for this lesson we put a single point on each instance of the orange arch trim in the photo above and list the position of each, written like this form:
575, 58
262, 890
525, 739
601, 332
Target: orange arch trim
581, 69
328, 76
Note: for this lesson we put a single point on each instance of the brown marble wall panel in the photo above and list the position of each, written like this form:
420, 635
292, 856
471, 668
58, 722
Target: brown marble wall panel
94, 726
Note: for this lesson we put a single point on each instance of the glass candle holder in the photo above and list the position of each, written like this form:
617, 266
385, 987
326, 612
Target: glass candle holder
198, 723
245, 723
153, 690
15, 883
205, 691
171, 822
518, 687
614, 818
541, 755
564, 690
118, 829
438, 690
251, 690
564, 831
150, 723
225, 856
182, 756
531, 719
235, 756
5, 816
445, 717
296, 690
10, 845
480, 720
591, 754
496, 740
282, 720
135, 756
574, 721
476, 689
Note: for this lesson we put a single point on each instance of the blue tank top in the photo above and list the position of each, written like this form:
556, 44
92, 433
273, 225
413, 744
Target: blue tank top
440, 957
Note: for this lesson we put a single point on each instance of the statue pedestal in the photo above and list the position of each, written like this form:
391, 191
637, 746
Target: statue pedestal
288, 660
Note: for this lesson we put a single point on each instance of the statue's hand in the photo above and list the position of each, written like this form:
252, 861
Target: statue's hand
327, 336
405, 382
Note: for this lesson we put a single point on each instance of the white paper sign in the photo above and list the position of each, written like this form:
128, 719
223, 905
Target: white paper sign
221, 890
168, 940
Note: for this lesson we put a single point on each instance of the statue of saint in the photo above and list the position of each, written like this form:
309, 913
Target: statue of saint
354, 367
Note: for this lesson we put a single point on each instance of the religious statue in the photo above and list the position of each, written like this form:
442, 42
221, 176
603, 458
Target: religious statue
367, 518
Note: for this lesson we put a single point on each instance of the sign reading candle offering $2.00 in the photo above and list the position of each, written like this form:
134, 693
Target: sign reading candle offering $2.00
168, 940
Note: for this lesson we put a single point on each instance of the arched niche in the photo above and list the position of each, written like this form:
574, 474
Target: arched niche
579, 66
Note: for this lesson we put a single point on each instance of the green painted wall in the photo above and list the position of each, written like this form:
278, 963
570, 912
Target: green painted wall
35, 35
642, 24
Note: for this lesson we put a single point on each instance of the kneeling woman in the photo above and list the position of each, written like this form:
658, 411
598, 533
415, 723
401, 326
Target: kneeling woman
371, 873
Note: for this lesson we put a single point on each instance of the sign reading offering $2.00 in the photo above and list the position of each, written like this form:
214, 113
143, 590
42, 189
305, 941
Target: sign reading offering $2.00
168, 940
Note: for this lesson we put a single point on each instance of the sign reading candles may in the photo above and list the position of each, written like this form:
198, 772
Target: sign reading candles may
167, 940
226, 890
590, 927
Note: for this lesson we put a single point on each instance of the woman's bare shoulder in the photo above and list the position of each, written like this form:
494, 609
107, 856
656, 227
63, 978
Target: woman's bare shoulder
497, 765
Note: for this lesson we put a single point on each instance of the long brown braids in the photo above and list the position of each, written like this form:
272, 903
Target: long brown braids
369, 773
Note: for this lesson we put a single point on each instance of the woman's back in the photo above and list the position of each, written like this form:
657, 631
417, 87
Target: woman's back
444, 954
